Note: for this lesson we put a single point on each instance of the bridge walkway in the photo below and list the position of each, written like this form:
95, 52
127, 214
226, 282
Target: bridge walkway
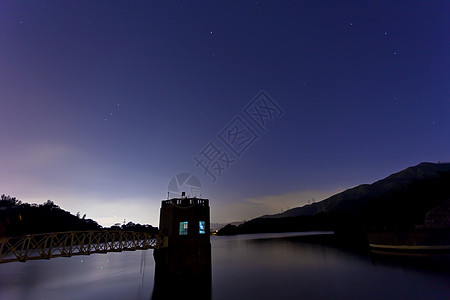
66, 244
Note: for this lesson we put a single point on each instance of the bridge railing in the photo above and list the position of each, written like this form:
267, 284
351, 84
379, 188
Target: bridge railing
50, 245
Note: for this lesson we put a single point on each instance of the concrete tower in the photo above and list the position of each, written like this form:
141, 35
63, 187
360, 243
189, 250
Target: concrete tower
184, 253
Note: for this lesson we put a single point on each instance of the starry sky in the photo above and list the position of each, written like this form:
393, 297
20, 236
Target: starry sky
260, 106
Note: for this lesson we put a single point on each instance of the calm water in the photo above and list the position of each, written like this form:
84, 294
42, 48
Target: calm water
263, 266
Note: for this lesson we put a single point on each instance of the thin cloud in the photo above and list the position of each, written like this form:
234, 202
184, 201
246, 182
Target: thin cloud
271, 204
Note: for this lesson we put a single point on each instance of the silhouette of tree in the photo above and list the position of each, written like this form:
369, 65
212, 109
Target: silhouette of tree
8, 201
50, 204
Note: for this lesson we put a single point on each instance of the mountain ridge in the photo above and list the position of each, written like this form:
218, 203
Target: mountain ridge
399, 201
391, 183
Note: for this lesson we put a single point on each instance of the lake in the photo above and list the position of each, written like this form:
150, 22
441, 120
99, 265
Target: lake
257, 266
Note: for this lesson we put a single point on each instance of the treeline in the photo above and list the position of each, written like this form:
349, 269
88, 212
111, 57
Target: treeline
130, 226
18, 219
340, 222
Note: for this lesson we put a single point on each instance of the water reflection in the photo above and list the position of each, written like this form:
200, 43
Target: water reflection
265, 266
182, 275
275, 266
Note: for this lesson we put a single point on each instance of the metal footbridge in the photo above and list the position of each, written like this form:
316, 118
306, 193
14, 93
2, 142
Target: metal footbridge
66, 244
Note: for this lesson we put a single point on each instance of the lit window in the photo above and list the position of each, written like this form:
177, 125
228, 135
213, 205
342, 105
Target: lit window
201, 227
183, 228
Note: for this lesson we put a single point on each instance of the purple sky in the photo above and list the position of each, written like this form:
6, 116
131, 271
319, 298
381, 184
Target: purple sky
103, 102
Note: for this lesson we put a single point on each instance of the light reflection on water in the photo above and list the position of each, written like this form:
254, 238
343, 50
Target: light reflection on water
98, 276
285, 268
263, 266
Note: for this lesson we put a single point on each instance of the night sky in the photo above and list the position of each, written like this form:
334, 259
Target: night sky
269, 104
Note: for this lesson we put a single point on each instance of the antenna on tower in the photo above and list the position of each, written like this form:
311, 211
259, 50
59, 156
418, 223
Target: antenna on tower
167, 195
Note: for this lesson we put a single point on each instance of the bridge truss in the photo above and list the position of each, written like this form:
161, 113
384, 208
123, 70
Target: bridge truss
66, 244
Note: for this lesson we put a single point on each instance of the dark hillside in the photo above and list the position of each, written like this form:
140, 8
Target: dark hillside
399, 201
17, 218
